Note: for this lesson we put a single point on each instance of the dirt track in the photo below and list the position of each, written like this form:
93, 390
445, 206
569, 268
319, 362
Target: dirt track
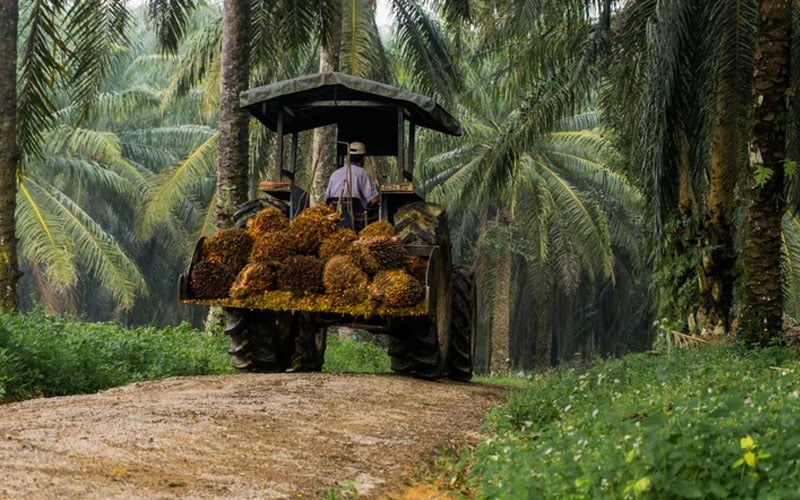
240, 436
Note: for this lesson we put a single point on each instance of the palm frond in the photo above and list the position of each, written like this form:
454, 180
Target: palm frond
170, 18
425, 49
96, 250
196, 60
95, 30
40, 237
39, 73
172, 186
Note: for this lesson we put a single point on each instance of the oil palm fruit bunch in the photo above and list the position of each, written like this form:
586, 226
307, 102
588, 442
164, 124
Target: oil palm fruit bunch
301, 273
377, 228
337, 243
397, 288
345, 281
270, 247
308, 230
228, 246
267, 220
211, 280
254, 279
377, 253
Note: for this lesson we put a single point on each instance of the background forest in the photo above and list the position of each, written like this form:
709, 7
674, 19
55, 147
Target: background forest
627, 172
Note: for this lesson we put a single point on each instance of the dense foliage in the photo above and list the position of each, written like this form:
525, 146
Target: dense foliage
47, 356
42, 355
711, 423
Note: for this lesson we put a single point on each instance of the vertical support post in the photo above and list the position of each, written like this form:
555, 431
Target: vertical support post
293, 156
412, 134
279, 148
401, 152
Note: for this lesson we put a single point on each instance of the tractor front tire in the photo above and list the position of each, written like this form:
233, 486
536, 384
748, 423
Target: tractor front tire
310, 343
259, 341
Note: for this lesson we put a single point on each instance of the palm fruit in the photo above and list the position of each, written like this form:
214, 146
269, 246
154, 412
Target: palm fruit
359, 253
301, 273
307, 231
337, 244
397, 288
254, 279
211, 280
270, 247
228, 246
345, 281
268, 220
417, 267
377, 253
321, 209
378, 228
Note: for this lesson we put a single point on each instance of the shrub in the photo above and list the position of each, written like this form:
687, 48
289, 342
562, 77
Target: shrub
43, 355
711, 423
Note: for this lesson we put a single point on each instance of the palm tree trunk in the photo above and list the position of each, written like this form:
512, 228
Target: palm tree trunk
323, 149
762, 307
501, 314
232, 124
9, 155
544, 333
232, 166
716, 270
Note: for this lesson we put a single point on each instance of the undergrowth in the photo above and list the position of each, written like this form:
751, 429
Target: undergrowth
355, 356
709, 423
47, 356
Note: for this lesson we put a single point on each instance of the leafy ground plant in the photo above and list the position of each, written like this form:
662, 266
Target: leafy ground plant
47, 356
709, 423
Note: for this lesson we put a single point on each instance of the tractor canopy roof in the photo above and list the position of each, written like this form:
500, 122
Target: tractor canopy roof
364, 110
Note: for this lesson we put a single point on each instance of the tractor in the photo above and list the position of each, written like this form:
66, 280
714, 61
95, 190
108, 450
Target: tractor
280, 327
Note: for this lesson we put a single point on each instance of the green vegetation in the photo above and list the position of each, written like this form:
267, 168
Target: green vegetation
42, 355
353, 356
709, 423
46, 356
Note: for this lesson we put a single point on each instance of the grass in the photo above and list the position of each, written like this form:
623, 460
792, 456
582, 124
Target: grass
354, 356
716, 422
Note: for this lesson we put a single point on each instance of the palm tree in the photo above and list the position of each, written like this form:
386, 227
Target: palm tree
762, 305
79, 198
553, 184
685, 70
232, 182
9, 155
88, 32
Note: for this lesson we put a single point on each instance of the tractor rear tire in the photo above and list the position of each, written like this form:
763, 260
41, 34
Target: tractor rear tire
420, 346
462, 327
260, 341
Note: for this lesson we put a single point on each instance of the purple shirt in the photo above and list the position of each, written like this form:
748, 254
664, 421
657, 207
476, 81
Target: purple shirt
362, 186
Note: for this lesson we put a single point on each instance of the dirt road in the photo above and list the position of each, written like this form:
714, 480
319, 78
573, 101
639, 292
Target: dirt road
240, 436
